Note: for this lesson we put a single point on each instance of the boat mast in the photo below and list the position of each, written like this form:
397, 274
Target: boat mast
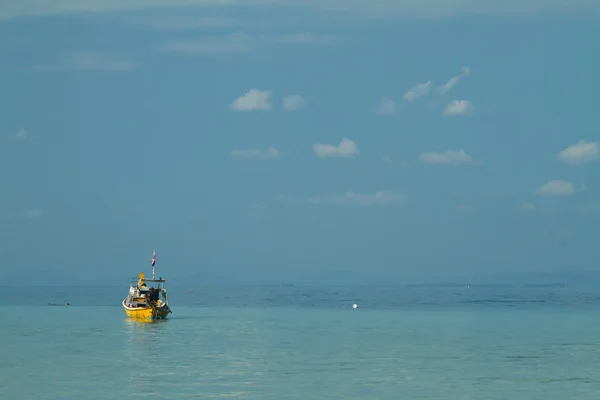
153, 262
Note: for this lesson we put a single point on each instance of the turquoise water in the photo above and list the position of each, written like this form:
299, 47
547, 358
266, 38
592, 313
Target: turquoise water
304, 343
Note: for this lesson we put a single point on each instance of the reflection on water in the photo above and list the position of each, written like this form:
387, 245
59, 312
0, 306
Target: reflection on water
146, 350
141, 324
140, 331
195, 354
304, 353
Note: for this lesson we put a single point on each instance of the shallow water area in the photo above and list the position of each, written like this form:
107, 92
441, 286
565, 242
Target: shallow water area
306, 343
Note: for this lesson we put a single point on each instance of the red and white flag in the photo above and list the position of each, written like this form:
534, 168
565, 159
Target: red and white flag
153, 259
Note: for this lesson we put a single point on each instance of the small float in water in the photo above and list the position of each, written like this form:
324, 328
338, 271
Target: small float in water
144, 302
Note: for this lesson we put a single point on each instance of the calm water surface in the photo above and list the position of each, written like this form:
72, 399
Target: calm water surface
304, 343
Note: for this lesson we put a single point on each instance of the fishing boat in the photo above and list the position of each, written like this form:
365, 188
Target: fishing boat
144, 301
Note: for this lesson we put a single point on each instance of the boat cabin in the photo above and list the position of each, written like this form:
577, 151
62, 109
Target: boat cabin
143, 295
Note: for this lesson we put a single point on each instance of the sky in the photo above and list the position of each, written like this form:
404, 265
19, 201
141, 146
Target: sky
300, 141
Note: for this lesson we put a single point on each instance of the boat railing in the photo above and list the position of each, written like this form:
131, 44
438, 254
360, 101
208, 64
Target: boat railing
148, 280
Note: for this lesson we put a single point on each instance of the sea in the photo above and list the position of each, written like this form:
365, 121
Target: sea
289, 342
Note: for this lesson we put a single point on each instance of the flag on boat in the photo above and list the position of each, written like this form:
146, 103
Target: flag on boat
153, 259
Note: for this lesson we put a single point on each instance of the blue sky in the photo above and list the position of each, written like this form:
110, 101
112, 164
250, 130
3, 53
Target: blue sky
304, 142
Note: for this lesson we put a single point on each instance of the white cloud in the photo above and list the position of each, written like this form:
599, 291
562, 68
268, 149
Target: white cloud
346, 148
381, 197
293, 102
89, 61
397, 9
579, 153
307, 38
253, 100
458, 107
465, 208
557, 187
21, 134
528, 207
180, 22
387, 107
452, 157
454, 80
255, 153
238, 43
33, 214
419, 90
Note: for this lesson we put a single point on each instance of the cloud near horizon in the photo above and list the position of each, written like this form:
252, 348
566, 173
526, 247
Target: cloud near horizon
580, 153
293, 102
557, 187
381, 197
88, 61
458, 107
346, 148
418, 90
528, 207
423, 89
450, 157
387, 107
307, 38
465, 71
253, 100
233, 43
398, 9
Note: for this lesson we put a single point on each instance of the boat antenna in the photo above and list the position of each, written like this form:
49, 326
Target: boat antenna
153, 262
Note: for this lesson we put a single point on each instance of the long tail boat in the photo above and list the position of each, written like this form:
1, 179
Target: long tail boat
147, 302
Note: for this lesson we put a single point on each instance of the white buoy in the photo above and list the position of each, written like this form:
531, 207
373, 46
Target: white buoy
354, 305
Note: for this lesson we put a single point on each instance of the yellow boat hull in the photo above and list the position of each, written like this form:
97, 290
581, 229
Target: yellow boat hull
146, 313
